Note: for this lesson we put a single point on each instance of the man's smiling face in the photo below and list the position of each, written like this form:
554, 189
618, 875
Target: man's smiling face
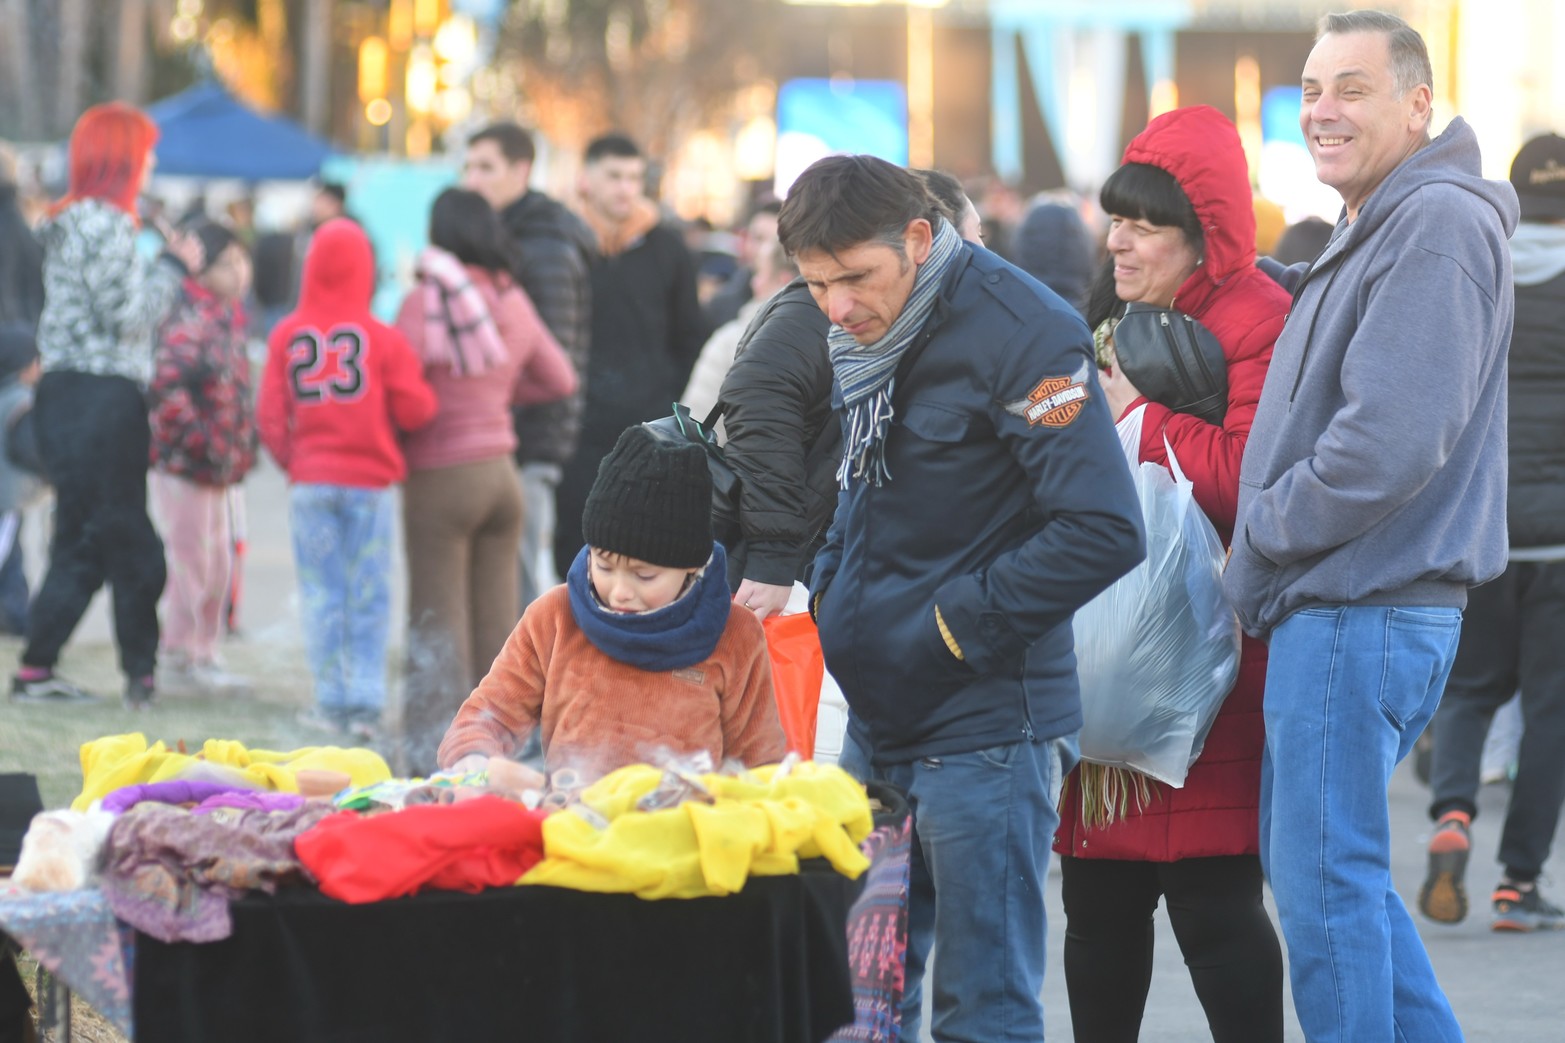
1357, 125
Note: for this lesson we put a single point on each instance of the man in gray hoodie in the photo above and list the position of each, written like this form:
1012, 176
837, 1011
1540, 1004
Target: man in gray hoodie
1371, 497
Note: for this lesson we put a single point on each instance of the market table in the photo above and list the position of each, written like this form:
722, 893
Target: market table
768, 965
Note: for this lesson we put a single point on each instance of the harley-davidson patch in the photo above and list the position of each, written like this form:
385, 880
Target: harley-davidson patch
1054, 402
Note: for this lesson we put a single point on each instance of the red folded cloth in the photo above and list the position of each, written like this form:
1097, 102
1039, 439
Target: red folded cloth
466, 846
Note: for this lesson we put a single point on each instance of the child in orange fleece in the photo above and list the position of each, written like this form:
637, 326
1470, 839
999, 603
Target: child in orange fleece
641, 652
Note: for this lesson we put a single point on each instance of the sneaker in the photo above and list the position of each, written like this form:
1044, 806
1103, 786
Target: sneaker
1443, 898
50, 688
1519, 910
140, 693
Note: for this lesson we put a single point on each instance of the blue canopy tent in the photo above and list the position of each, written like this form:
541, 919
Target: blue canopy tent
207, 132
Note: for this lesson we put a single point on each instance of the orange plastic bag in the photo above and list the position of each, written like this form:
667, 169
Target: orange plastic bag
798, 668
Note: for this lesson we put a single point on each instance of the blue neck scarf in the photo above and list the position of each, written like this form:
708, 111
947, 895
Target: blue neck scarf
677, 635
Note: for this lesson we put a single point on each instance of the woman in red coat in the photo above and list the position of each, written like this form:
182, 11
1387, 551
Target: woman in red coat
1183, 236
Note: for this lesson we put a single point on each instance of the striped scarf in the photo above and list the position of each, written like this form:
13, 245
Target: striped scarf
866, 372
459, 332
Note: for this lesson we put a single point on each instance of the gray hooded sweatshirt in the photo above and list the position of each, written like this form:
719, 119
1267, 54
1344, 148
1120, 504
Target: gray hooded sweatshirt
1375, 471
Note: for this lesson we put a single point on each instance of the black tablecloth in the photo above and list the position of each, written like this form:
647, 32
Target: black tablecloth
767, 965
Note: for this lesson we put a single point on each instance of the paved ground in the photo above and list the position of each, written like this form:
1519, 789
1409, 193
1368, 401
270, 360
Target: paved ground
1505, 988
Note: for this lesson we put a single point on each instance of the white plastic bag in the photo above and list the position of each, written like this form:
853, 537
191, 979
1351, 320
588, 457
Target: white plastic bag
1158, 651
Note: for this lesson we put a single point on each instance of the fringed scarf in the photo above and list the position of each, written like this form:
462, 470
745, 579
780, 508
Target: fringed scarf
1108, 793
459, 332
866, 372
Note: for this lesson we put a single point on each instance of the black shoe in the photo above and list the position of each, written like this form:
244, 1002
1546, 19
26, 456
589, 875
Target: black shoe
1519, 910
139, 693
50, 688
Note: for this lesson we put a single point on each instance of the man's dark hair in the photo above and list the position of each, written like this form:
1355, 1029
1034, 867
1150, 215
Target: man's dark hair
617, 145
842, 201
514, 143
336, 190
1147, 193
463, 224
948, 192
1409, 57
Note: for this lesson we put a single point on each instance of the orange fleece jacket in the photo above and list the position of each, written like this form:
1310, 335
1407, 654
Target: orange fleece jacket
598, 714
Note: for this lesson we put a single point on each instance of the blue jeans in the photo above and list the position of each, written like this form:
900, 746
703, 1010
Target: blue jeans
342, 551
982, 826
1348, 690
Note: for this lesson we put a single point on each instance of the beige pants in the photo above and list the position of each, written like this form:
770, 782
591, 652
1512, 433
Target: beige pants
462, 527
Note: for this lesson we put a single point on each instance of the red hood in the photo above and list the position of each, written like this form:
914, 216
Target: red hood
1200, 147
339, 268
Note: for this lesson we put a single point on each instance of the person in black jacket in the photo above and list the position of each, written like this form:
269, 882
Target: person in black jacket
646, 321
21, 302
551, 247
1512, 626
785, 443
21, 257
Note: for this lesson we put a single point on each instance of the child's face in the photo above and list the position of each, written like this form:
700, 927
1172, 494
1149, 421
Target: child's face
229, 276
628, 585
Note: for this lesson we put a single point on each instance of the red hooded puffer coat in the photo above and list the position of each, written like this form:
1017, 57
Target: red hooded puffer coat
1216, 812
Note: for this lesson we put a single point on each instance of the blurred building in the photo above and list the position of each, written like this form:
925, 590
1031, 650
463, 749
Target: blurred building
1038, 93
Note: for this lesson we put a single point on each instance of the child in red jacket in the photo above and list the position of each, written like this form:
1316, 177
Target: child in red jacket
339, 387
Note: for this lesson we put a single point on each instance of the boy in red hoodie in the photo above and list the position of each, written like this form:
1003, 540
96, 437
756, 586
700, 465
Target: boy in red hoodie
339, 387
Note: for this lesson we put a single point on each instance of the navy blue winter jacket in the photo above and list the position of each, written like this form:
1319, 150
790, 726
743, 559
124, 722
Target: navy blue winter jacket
1009, 506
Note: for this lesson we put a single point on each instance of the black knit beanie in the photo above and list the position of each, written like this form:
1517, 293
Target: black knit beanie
215, 238
652, 501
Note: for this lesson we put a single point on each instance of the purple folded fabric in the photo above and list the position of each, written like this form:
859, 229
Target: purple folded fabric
249, 800
175, 791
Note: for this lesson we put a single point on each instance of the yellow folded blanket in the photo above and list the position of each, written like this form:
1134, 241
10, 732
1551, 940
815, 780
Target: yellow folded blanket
759, 825
115, 761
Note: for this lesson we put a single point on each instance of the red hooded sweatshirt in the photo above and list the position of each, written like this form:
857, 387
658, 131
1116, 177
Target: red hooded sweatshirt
1216, 813
339, 385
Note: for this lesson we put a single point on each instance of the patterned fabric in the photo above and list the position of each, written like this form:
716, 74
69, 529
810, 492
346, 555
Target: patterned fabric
203, 423
867, 371
75, 937
459, 332
170, 874
102, 300
877, 939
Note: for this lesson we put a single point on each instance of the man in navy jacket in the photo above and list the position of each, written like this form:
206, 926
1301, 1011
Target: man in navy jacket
984, 499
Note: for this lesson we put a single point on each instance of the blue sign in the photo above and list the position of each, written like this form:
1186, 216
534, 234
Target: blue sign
1280, 114
818, 118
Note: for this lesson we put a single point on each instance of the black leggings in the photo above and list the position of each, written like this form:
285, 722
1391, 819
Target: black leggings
1214, 905
94, 438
